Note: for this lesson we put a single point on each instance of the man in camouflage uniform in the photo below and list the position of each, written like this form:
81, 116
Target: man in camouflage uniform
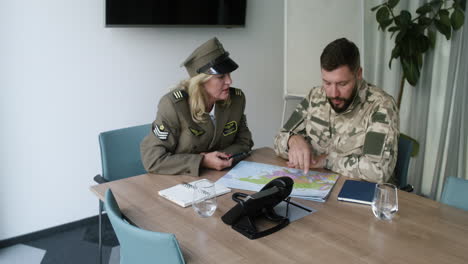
346, 125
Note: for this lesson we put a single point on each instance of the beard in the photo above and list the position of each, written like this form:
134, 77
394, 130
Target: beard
347, 102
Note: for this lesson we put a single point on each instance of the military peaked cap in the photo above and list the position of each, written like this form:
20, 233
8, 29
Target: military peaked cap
209, 58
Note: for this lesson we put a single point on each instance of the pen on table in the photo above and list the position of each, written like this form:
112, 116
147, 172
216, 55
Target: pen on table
191, 186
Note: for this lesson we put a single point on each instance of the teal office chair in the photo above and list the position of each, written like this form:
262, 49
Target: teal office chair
120, 158
455, 193
138, 246
407, 148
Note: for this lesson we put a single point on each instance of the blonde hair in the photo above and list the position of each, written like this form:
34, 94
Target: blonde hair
197, 96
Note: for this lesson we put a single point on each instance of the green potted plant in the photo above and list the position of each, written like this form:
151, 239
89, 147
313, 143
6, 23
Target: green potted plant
415, 34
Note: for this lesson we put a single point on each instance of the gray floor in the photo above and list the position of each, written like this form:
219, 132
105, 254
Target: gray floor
21, 254
78, 245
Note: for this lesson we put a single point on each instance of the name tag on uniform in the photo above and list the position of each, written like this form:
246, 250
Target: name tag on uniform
230, 128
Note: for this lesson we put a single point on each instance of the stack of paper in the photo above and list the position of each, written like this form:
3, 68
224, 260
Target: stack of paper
252, 176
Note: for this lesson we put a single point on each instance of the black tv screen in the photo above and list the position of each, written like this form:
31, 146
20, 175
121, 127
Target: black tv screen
228, 13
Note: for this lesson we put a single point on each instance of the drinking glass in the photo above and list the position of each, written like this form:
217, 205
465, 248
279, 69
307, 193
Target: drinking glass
204, 198
385, 201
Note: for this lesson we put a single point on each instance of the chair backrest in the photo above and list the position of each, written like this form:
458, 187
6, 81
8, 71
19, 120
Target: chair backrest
138, 245
455, 192
405, 148
120, 152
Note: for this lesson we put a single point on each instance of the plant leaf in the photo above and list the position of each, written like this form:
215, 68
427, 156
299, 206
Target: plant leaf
419, 59
457, 18
422, 43
393, 29
400, 36
375, 8
444, 29
462, 4
410, 71
382, 14
424, 9
432, 38
405, 18
395, 54
444, 18
436, 4
424, 21
393, 3
386, 23
444, 12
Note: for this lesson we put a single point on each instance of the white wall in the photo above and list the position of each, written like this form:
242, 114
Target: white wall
310, 26
64, 77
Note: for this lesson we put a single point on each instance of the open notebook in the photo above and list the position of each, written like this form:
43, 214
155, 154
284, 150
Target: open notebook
182, 194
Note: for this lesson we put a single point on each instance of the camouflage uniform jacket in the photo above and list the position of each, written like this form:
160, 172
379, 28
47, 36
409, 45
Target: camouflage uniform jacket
176, 141
361, 142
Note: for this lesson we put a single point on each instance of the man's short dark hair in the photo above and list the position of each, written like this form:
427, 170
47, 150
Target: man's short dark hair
338, 53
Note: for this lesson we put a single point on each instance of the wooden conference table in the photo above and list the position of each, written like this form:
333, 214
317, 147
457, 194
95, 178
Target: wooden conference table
423, 231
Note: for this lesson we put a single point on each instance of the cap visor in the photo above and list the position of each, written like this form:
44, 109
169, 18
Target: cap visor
225, 66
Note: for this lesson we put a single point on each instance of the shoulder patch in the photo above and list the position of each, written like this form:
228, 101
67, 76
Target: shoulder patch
380, 118
305, 103
374, 143
178, 95
160, 131
295, 120
235, 91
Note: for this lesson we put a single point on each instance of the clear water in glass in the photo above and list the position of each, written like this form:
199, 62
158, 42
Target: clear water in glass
204, 198
385, 201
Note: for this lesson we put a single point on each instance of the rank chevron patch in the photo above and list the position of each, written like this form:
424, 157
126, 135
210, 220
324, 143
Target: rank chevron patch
196, 132
160, 133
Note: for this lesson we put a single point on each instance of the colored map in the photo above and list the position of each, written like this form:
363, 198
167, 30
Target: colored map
253, 176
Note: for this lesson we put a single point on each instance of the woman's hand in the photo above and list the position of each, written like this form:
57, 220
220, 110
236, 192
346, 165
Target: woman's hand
216, 160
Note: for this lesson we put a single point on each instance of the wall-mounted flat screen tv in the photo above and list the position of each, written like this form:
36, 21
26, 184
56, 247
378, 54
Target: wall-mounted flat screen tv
223, 13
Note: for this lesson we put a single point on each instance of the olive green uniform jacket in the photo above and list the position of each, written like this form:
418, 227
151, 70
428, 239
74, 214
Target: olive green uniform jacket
174, 145
361, 142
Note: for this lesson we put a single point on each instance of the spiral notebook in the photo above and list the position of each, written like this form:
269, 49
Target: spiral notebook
182, 194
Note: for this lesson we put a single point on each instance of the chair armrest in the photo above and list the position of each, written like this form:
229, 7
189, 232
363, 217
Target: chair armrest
99, 179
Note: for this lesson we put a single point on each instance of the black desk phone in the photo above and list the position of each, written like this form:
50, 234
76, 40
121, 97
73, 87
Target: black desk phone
243, 216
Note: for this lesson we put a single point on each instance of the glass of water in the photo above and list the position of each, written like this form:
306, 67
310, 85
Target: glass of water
385, 201
204, 198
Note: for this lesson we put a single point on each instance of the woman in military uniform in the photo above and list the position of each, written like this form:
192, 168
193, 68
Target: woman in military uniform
201, 123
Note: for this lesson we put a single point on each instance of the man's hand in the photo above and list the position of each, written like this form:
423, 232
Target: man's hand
318, 162
299, 153
216, 160
301, 157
